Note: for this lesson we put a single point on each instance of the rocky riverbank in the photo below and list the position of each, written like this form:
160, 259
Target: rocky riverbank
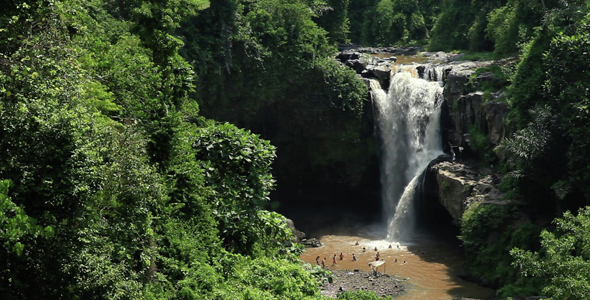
345, 280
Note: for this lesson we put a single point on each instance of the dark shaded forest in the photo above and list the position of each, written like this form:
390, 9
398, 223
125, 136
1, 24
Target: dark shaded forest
146, 146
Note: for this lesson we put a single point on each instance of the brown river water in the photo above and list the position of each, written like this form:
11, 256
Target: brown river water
429, 266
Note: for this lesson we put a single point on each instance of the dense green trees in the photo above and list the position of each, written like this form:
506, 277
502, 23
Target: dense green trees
564, 261
276, 77
546, 163
334, 19
551, 116
390, 22
112, 186
501, 26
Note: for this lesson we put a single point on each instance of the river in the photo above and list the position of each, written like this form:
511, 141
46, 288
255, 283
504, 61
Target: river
429, 265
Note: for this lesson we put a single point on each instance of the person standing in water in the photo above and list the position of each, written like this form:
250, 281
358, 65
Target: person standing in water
317, 260
334, 260
353, 257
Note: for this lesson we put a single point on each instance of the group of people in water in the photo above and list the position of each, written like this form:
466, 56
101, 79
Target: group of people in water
354, 258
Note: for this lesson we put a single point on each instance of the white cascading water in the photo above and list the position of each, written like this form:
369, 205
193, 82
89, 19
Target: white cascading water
434, 73
408, 119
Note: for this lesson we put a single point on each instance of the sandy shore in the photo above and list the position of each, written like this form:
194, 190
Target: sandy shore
345, 280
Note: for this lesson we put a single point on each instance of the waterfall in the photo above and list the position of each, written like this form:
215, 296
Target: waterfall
408, 119
434, 73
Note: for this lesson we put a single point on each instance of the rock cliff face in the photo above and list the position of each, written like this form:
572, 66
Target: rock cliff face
467, 107
460, 186
457, 185
464, 105
367, 65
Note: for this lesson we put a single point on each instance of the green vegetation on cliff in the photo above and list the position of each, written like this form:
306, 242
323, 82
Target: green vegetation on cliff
546, 164
564, 261
119, 178
112, 184
268, 67
548, 97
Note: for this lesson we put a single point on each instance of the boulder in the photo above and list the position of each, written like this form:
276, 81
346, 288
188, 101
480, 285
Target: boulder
459, 76
420, 70
359, 65
461, 185
381, 72
457, 83
433, 72
485, 77
348, 55
437, 56
311, 243
472, 110
466, 107
298, 236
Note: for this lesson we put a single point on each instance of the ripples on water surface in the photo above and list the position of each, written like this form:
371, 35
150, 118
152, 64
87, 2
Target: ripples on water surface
431, 265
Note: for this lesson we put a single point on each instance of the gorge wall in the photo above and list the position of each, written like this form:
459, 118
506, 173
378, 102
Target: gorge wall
466, 110
473, 124
461, 198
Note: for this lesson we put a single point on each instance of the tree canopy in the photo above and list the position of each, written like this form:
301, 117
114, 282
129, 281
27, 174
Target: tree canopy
112, 184
142, 141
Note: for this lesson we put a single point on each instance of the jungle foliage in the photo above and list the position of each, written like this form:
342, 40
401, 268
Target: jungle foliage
552, 120
267, 66
488, 233
112, 183
120, 178
500, 26
563, 261
547, 175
